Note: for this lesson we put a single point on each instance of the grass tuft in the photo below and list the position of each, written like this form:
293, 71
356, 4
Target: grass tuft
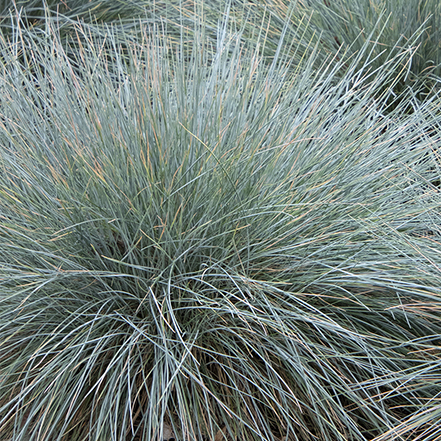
194, 237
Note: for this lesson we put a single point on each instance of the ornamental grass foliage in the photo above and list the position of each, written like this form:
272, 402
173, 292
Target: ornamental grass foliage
344, 29
200, 237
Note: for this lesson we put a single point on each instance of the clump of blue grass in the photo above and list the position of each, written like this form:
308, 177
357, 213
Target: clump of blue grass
197, 239
373, 32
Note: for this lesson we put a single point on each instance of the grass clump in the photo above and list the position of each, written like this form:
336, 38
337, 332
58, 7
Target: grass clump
373, 32
198, 238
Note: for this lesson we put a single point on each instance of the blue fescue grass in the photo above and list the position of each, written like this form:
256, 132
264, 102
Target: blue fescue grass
374, 32
193, 236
